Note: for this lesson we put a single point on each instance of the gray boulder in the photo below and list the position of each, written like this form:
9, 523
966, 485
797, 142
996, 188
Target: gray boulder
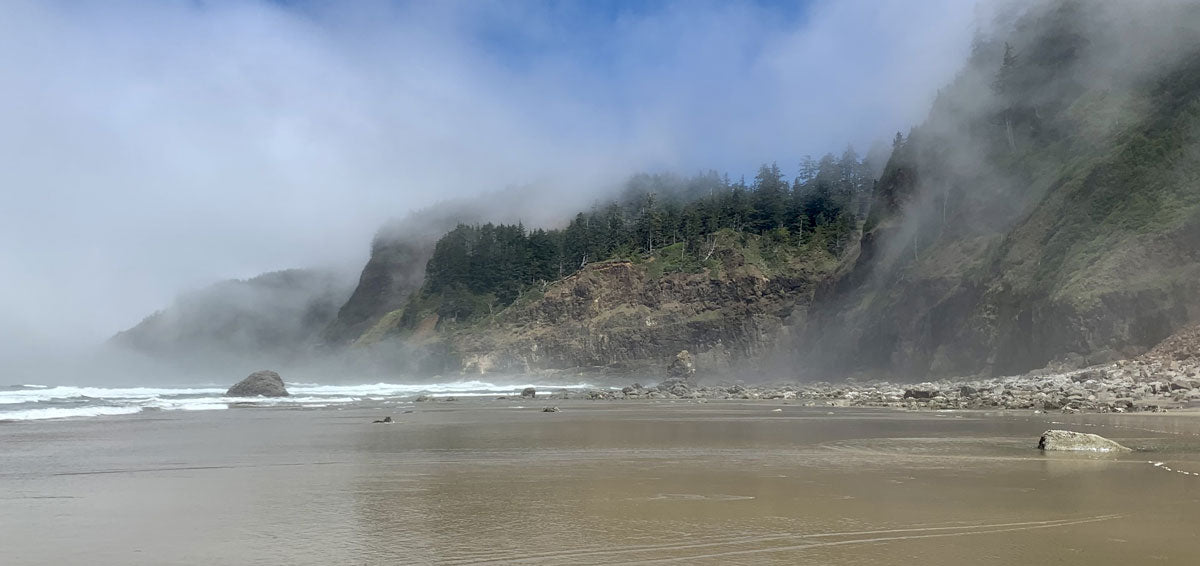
264, 383
682, 366
528, 393
676, 386
1077, 441
924, 391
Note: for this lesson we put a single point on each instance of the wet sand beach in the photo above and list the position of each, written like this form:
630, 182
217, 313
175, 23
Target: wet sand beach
501, 482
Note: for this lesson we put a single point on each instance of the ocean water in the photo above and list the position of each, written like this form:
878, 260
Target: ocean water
39, 402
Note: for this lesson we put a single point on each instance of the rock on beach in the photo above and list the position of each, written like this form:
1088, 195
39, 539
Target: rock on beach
682, 367
1067, 440
264, 383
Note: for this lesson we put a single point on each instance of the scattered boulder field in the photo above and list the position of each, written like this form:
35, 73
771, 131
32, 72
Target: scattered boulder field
263, 383
1068, 393
1166, 377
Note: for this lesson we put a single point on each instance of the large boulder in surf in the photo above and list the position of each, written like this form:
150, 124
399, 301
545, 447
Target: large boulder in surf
1077, 442
265, 383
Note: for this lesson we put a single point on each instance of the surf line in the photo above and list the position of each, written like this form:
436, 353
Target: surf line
1164, 467
582, 553
987, 530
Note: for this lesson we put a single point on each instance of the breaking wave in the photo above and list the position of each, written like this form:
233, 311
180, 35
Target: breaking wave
40, 402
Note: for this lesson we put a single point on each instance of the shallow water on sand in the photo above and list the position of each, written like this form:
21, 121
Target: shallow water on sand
485, 482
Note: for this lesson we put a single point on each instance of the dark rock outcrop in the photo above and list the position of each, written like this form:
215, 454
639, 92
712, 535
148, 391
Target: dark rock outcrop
622, 318
394, 270
682, 366
264, 383
1067, 440
924, 391
528, 393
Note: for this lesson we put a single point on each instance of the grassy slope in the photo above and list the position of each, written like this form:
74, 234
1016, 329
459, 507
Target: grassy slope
1108, 226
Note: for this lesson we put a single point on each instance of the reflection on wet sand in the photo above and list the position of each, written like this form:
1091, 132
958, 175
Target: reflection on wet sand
605, 483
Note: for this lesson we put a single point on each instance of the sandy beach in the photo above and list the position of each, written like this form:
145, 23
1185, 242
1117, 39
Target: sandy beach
483, 481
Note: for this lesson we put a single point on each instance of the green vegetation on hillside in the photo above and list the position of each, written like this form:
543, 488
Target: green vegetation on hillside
1048, 206
477, 269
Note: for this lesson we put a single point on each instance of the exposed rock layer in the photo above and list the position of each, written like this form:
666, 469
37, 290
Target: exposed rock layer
621, 317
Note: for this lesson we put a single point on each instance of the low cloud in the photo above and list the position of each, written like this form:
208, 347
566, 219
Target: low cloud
153, 147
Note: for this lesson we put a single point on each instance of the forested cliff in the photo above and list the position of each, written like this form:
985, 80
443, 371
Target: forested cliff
1047, 210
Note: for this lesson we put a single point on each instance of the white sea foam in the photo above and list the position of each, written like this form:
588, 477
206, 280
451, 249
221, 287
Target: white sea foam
65, 412
36, 402
204, 407
69, 392
293, 400
193, 404
403, 389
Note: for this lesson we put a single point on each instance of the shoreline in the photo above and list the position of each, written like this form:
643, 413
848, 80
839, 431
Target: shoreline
1091, 390
1144, 385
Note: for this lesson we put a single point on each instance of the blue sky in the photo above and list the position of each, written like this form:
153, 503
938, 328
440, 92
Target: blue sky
586, 30
158, 146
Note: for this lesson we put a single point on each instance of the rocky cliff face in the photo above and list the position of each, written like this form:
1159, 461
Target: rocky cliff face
396, 268
628, 318
394, 271
1048, 209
